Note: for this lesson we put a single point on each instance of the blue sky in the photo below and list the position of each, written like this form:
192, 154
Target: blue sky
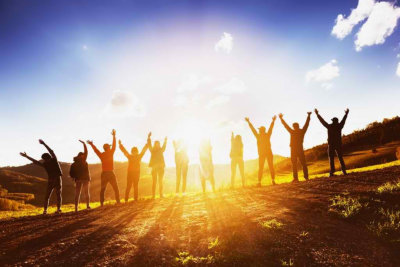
190, 69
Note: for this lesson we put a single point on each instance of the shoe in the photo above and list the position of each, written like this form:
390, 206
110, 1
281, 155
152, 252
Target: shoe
273, 182
44, 212
331, 175
88, 208
59, 211
295, 181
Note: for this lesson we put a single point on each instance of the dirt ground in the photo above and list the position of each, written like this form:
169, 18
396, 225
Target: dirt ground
153, 233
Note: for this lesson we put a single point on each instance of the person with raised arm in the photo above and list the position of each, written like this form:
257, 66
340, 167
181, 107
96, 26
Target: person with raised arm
107, 165
157, 164
54, 173
264, 149
79, 171
206, 164
133, 175
334, 140
181, 164
236, 156
296, 145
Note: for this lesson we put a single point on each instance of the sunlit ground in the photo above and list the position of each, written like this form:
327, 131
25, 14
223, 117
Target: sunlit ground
281, 179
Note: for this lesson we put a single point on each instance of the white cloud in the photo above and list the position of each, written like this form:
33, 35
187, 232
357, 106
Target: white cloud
379, 25
324, 74
344, 26
85, 47
225, 44
217, 101
233, 86
192, 82
398, 70
124, 104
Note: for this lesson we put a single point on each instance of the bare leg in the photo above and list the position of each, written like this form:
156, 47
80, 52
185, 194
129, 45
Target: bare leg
49, 190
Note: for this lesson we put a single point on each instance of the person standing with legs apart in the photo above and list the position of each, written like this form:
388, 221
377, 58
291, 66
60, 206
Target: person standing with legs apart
236, 156
79, 171
157, 164
181, 164
264, 149
107, 165
54, 173
133, 176
334, 140
296, 145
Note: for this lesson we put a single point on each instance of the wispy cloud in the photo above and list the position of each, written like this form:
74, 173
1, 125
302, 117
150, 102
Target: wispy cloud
192, 82
379, 25
124, 104
225, 44
381, 20
233, 86
344, 26
324, 74
217, 101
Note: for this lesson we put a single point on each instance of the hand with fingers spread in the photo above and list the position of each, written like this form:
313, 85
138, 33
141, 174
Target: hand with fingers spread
113, 132
280, 115
309, 113
41, 142
247, 119
90, 142
23, 154
347, 111
274, 118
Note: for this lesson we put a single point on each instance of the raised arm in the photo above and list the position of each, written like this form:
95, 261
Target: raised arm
85, 150
98, 153
305, 127
343, 121
164, 146
287, 127
144, 149
114, 143
271, 126
323, 122
149, 142
31, 159
53, 155
252, 127
123, 149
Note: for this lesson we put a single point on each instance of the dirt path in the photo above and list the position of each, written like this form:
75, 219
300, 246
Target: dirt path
150, 233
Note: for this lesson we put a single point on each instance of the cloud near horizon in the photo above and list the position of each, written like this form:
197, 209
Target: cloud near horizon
225, 44
324, 74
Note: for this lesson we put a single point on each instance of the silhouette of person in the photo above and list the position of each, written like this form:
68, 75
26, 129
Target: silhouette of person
157, 164
133, 175
206, 164
54, 173
334, 140
181, 164
107, 165
296, 145
79, 171
236, 156
264, 149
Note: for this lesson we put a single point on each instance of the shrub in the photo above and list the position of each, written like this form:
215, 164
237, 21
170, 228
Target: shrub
389, 225
185, 258
346, 206
389, 187
8, 204
271, 224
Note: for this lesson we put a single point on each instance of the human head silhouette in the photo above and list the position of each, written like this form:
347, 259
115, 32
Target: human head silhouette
296, 126
134, 150
238, 138
335, 120
157, 144
46, 156
261, 129
106, 147
79, 156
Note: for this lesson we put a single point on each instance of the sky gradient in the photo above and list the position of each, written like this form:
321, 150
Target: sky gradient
74, 70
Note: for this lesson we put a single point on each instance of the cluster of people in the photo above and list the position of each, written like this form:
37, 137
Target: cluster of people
79, 169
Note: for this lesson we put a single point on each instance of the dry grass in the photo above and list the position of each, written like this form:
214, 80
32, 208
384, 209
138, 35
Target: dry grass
345, 206
389, 187
271, 224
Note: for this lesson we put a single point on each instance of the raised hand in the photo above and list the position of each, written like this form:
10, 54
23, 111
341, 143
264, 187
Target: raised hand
309, 113
149, 135
83, 142
119, 142
274, 118
41, 142
23, 154
90, 142
347, 111
113, 132
165, 139
233, 134
316, 111
280, 115
247, 119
